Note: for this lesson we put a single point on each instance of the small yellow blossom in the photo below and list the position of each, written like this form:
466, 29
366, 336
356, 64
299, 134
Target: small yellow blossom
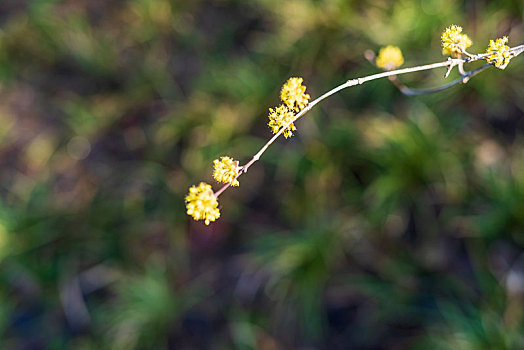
453, 42
293, 94
389, 58
279, 118
226, 170
202, 204
500, 57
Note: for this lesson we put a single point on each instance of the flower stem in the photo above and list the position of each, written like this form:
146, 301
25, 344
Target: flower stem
450, 63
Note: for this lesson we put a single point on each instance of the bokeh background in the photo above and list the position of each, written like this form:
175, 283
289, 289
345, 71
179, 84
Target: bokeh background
386, 222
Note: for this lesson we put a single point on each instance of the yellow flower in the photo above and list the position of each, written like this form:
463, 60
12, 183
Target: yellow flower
454, 43
389, 58
293, 94
279, 118
500, 57
202, 204
226, 170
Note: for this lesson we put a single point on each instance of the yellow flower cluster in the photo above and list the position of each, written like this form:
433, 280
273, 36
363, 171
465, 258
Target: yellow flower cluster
389, 58
201, 201
293, 94
294, 98
202, 204
453, 42
279, 118
500, 57
226, 170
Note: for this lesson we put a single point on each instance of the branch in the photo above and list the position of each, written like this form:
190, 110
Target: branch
392, 75
414, 92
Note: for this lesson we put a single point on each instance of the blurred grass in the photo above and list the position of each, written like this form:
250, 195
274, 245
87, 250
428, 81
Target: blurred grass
387, 222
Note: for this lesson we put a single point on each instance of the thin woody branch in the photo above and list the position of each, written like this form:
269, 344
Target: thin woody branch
201, 202
464, 78
451, 62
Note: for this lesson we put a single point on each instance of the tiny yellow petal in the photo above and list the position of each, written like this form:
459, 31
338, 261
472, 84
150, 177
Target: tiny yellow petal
226, 170
293, 94
453, 42
201, 203
389, 58
500, 56
279, 118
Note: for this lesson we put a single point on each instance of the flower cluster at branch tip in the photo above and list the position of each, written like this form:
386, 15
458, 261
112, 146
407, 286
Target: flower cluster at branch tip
226, 170
389, 58
279, 118
293, 94
202, 204
453, 42
501, 56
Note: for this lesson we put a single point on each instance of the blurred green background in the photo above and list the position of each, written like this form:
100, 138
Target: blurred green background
386, 222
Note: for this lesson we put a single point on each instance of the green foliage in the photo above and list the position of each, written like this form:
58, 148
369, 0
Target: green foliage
386, 221
144, 311
299, 267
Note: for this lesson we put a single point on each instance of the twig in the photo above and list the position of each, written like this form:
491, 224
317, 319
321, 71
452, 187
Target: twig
450, 64
414, 92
